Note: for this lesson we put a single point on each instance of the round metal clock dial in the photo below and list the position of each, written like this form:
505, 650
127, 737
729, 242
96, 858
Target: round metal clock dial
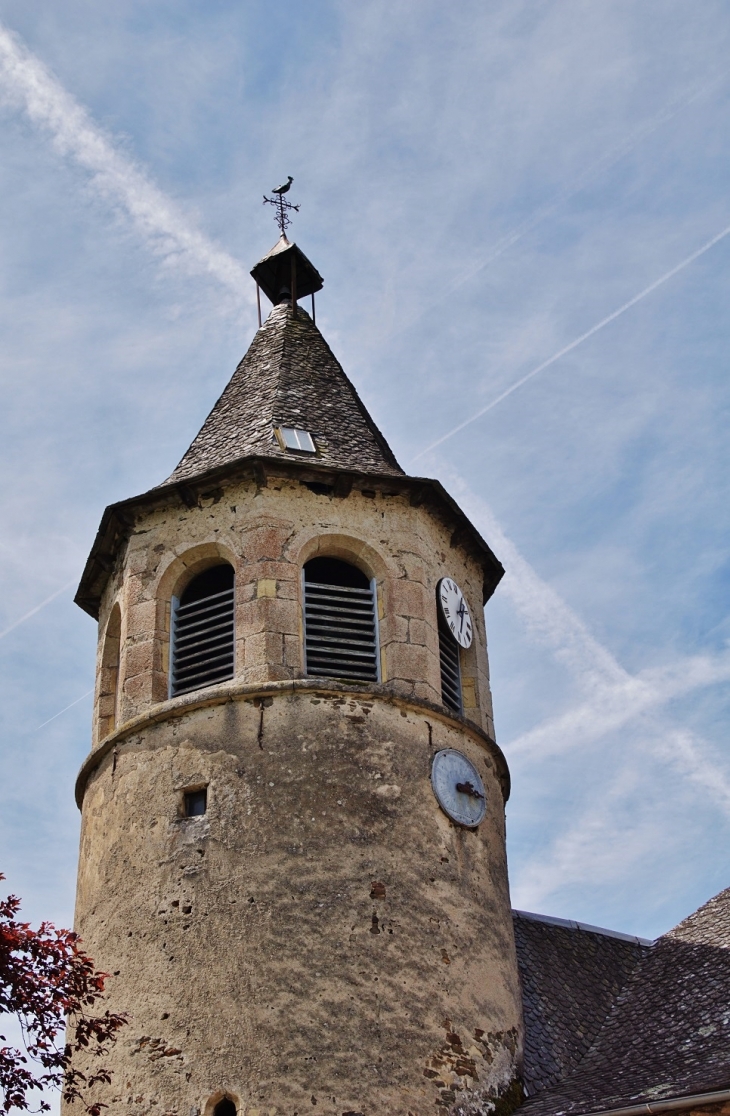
458, 787
455, 611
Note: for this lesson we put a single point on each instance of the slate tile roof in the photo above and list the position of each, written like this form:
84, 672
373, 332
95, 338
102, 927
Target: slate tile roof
571, 976
289, 377
667, 1033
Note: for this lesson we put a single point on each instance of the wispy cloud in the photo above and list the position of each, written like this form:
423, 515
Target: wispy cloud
542, 213
597, 845
588, 174
687, 751
548, 620
551, 622
616, 703
429, 146
28, 84
578, 340
612, 835
602, 842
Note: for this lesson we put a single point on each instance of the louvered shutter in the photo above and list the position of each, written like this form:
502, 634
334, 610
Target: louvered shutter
450, 670
341, 632
203, 639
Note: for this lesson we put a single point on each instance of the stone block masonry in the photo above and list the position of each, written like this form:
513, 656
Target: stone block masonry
267, 533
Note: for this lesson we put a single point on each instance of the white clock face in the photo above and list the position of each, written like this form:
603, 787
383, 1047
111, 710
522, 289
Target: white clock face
458, 788
455, 611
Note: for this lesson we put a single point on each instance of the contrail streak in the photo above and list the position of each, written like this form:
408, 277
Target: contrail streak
17, 623
608, 159
579, 340
30, 85
602, 163
613, 697
64, 710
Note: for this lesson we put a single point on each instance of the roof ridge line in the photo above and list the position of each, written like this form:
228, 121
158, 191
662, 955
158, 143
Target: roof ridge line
369, 420
586, 927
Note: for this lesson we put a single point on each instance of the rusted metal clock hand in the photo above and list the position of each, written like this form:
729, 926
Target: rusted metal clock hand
470, 789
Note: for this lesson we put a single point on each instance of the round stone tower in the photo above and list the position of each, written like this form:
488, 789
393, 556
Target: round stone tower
300, 912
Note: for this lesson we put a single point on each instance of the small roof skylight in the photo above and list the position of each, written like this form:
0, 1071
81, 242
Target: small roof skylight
293, 439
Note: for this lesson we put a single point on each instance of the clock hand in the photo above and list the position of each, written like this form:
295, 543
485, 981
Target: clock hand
469, 789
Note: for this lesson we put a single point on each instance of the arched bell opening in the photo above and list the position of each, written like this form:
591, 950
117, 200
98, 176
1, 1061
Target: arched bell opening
340, 621
109, 675
202, 645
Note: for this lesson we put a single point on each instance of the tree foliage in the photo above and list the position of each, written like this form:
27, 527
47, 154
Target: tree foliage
50, 986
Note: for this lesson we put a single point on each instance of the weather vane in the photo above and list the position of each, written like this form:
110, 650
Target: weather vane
283, 206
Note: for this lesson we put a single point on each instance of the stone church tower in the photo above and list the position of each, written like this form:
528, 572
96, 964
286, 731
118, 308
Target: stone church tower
293, 839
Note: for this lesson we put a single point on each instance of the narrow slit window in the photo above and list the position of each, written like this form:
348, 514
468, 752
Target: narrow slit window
203, 635
340, 622
195, 802
450, 669
292, 438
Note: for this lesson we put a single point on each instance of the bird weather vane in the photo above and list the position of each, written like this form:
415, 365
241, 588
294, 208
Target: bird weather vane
283, 206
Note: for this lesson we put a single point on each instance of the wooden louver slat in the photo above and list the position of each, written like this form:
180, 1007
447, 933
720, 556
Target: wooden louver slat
203, 640
450, 670
340, 632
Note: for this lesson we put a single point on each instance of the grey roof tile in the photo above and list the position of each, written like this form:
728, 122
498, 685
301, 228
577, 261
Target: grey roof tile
668, 1031
571, 976
289, 377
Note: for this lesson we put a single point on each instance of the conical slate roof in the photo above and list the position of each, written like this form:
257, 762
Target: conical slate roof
289, 377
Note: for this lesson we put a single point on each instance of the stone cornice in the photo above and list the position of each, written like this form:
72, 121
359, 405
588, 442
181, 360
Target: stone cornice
239, 691
118, 519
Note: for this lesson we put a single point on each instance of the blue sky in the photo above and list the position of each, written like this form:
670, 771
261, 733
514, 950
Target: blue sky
480, 184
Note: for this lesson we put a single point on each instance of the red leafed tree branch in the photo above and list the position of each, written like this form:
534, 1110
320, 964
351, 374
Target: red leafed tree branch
50, 986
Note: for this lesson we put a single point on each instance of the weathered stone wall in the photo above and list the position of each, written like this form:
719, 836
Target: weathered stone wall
324, 939
267, 533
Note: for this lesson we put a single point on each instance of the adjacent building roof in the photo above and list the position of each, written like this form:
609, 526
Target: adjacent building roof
571, 977
666, 1033
289, 377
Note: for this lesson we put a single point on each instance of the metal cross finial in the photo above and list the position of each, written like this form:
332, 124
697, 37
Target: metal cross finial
282, 217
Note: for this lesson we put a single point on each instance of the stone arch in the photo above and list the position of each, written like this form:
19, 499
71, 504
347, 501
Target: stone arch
220, 1101
176, 575
182, 568
109, 674
346, 547
340, 609
203, 630
357, 552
